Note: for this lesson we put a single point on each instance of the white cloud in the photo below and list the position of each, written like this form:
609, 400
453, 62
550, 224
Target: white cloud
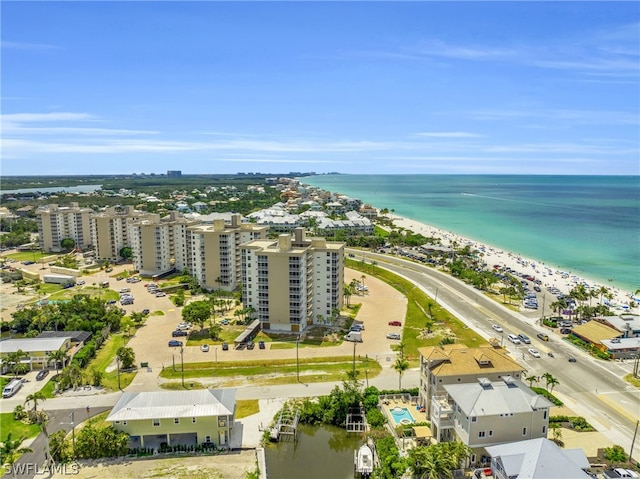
449, 134
45, 117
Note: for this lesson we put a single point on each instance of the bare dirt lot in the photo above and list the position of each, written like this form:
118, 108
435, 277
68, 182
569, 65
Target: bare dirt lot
226, 466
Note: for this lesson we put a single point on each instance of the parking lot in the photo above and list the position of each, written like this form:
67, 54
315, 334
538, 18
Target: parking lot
380, 304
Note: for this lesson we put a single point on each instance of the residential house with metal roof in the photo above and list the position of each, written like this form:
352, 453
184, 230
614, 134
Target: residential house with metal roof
36, 350
537, 459
157, 418
487, 413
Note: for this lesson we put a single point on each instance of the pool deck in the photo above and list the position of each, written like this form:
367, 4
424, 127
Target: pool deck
388, 404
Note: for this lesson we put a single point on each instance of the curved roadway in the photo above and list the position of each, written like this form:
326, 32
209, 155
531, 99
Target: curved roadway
592, 388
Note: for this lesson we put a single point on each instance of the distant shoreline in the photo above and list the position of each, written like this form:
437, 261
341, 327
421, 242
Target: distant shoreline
531, 216
549, 275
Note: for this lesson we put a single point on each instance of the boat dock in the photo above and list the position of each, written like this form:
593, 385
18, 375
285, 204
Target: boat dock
286, 426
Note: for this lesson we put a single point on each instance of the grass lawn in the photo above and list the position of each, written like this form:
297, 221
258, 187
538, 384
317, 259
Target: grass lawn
48, 388
419, 309
631, 380
4, 381
283, 371
246, 407
17, 429
105, 356
178, 386
28, 256
228, 334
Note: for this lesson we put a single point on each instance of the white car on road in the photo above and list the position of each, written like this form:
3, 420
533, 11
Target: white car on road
514, 339
534, 352
498, 328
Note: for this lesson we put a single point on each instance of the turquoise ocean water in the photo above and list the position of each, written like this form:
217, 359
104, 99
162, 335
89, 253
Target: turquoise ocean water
587, 225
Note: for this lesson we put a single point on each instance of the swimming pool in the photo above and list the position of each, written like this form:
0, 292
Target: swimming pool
401, 415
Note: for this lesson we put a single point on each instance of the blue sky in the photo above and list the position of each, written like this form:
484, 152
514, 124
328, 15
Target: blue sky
354, 87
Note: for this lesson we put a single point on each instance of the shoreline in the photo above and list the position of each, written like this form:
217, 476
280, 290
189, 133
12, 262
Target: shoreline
551, 276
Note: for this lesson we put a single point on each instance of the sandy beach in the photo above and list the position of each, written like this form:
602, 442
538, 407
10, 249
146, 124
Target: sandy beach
550, 276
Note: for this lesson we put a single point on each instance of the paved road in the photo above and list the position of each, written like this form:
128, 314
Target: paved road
32, 464
591, 386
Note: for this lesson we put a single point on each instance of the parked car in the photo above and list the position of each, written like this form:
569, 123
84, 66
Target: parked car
224, 321
178, 333
572, 359
261, 345
534, 352
160, 294
108, 270
543, 336
174, 343
80, 282
42, 374
498, 328
395, 323
145, 311
251, 345
184, 325
357, 327
225, 346
393, 336
204, 348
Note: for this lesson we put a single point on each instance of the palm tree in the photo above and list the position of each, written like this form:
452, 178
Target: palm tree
557, 434
34, 398
532, 379
401, 365
549, 379
12, 361
10, 451
58, 356
553, 382
558, 306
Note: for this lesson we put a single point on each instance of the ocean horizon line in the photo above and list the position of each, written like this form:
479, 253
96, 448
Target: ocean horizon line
583, 224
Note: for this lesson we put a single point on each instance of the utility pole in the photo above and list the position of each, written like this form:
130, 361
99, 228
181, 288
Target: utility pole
118, 361
182, 363
354, 360
633, 441
297, 358
73, 431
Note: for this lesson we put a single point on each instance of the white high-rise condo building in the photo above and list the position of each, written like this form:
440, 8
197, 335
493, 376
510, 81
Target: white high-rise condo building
293, 282
56, 223
214, 251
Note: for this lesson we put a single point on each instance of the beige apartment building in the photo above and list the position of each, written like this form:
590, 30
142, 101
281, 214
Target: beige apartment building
213, 256
110, 231
486, 413
458, 364
56, 223
292, 282
159, 244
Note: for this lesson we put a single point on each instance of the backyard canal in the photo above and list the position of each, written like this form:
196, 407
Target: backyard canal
319, 453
